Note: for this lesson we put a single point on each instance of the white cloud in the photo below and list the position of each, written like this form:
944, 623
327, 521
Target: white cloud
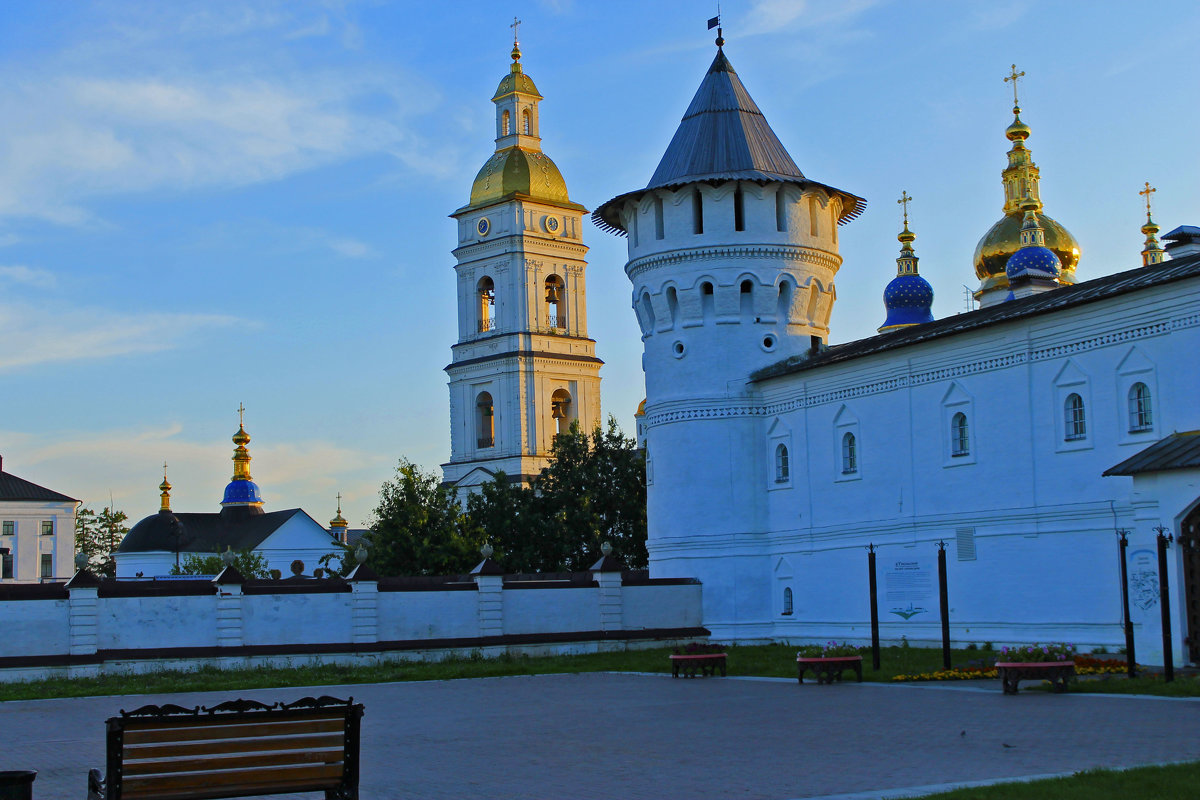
29, 276
350, 248
168, 100
41, 335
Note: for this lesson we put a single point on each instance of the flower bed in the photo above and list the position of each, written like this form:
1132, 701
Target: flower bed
1084, 665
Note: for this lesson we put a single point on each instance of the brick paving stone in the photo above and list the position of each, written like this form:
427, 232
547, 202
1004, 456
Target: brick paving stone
638, 736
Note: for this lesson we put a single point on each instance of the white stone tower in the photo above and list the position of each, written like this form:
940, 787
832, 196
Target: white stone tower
732, 257
523, 368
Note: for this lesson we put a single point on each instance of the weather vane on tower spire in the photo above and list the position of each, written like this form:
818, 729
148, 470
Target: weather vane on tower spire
715, 22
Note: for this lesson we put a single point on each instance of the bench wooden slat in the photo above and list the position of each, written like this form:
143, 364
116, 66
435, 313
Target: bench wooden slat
210, 792
218, 746
204, 731
233, 762
323, 776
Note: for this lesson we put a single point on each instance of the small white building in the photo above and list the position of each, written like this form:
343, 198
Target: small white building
775, 460
37, 531
161, 541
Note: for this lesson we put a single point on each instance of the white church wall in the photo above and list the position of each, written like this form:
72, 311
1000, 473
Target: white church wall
162, 620
274, 619
576, 609
1042, 518
427, 615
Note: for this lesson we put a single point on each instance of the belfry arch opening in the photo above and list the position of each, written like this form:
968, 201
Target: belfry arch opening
485, 417
505, 123
561, 411
556, 309
485, 295
526, 124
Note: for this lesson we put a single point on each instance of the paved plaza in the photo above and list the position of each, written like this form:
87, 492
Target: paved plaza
642, 736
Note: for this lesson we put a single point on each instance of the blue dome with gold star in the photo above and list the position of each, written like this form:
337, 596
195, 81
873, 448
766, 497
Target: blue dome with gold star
1037, 261
242, 492
908, 300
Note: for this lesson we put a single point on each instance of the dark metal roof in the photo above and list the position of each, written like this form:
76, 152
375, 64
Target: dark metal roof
723, 136
1183, 232
1177, 451
239, 529
14, 488
1046, 302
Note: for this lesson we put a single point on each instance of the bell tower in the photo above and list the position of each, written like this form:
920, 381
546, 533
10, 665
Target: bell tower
523, 368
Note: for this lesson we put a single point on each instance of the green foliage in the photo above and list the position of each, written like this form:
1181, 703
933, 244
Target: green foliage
98, 536
1054, 651
247, 562
828, 650
593, 491
419, 527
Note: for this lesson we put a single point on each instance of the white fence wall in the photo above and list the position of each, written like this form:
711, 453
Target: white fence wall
90, 626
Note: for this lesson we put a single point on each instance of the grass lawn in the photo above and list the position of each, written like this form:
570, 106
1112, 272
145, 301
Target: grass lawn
1174, 782
775, 660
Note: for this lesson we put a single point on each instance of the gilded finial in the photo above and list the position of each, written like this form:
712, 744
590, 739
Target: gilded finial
241, 456
904, 201
1014, 77
1152, 252
516, 51
338, 524
165, 489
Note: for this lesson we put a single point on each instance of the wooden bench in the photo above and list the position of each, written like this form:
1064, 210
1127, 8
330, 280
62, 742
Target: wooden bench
707, 663
827, 670
240, 748
1013, 672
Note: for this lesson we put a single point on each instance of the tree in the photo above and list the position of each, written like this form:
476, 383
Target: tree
98, 536
419, 527
249, 563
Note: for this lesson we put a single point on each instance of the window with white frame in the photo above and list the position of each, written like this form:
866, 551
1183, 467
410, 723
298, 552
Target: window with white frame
9, 527
960, 435
1141, 413
849, 453
47, 565
47, 527
782, 471
1074, 422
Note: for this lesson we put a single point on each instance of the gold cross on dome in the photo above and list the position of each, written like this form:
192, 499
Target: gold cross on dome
164, 470
516, 26
904, 201
241, 415
1014, 77
1149, 190
339, 496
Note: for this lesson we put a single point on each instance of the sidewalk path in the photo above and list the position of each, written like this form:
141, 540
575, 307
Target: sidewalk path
638, 736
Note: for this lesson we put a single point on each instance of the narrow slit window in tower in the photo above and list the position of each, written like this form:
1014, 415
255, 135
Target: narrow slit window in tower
485, 420
505, 124
739, 210
697, 213
658, 218
525, 123
780, 210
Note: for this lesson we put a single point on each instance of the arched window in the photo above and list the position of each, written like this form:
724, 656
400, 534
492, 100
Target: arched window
525, 123
960, 435
849, 454
560, 411
782, 471
485, 292
1141, 415
485, 420
647, 314
556, 313
505, 124
787, 601
1074, 424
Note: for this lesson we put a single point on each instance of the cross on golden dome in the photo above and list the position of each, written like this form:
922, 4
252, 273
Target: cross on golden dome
516, 26
904, 201
1149, 190
241, 415
1014, 77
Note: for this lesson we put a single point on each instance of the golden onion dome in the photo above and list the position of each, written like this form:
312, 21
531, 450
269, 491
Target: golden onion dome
516, 81
641, 409
1004, 239
1018, 130
514, 171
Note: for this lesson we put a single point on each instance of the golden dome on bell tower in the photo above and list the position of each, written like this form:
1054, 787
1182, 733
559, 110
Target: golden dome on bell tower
1021, 180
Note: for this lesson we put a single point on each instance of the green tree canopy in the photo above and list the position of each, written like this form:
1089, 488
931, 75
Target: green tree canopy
98, 536
249, 563
419, 527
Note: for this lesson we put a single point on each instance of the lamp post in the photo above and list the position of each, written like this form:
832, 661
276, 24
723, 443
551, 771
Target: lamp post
1164, 598
1130, 655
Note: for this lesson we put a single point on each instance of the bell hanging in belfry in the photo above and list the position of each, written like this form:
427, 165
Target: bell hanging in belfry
551, 293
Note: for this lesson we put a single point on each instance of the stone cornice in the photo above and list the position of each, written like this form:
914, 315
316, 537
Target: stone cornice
906, 377
759, 252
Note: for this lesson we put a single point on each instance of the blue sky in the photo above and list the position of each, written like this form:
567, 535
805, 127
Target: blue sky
213, 203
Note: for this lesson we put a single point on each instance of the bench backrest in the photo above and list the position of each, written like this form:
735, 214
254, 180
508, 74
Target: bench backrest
235, 749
